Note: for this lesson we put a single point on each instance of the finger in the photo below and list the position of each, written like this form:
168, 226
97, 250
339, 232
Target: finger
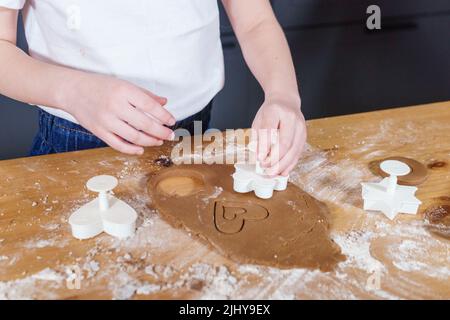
263, 147
301, 147
142, 122
264, 143
127, 132
289, 168
161, 100
287, 133
273, 157
119, 144
288, 159
282, 144
147, 104
253, 143
299, 144
268, 127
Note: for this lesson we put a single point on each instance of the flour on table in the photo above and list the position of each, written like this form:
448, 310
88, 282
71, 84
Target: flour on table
356, 246
43, 243
27, 288
334, 182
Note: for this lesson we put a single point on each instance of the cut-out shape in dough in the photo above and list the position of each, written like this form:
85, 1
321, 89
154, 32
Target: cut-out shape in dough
179, 183
417, 175
231, 217
290, 230
105, 213
180, 186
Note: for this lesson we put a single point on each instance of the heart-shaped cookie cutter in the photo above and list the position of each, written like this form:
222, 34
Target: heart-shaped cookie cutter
106, 213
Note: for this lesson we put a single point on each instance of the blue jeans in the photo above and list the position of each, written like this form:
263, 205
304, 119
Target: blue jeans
56, 135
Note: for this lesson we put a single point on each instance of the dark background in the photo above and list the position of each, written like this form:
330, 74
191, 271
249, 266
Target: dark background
342, 67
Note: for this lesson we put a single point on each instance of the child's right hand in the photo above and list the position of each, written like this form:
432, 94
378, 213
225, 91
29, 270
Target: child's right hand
121, 114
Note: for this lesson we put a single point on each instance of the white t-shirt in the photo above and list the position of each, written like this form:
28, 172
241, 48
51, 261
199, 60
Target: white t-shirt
170, 47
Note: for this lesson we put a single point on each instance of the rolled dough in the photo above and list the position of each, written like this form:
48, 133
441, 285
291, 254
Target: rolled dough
291, 230
418, 174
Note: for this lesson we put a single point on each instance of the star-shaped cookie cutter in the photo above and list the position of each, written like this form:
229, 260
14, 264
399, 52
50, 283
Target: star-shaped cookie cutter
106, 213
389, 197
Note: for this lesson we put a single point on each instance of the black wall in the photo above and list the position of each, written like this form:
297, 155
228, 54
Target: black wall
342, 67
18, 121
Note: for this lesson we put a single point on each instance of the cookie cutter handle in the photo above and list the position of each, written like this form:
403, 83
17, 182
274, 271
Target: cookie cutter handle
102, 184
394, 169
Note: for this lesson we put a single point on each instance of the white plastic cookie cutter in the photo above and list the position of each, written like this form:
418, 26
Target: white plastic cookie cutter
246, 179
105, 213
252, 177
389, 197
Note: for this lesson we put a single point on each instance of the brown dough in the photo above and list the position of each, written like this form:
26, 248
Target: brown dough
418, 174
437, 219
290, 230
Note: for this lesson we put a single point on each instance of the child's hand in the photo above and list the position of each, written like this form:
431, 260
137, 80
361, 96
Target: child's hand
123, 115
283, 114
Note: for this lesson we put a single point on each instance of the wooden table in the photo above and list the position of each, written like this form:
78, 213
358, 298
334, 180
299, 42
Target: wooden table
385, 259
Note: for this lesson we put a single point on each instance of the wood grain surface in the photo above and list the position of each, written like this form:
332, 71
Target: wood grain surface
400, 259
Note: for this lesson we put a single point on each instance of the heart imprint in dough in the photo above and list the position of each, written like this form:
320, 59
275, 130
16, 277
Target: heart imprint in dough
290, 230
230, 217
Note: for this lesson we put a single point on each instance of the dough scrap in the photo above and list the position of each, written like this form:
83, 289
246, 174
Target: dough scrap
437, 219
418, 174
290, 230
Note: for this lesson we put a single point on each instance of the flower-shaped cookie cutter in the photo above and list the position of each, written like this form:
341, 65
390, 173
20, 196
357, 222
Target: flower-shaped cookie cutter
246, 179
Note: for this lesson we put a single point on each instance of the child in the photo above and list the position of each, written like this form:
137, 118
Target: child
127, 73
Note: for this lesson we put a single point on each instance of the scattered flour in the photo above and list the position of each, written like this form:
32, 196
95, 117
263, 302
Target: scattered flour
326, 180
27, 288
43, 243
219, 283
336, 182
147, 289
408, 257
356, 246
215, 194
51, 226
215, 282
48, 275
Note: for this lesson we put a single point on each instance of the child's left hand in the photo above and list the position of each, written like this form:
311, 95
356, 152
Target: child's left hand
283, 114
